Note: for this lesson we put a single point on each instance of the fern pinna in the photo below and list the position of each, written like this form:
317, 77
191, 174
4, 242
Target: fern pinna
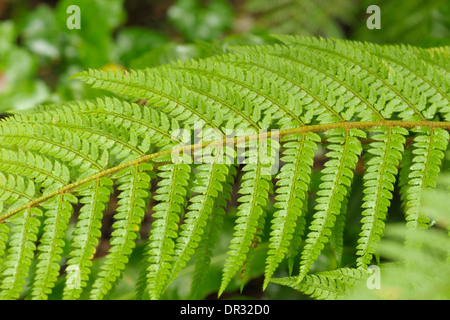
361, 102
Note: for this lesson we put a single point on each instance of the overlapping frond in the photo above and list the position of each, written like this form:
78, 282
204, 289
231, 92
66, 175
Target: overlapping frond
325, 285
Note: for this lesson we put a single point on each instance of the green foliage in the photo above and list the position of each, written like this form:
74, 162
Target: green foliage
94, 197
130, 213
18, 68
201, 22
308, 18
20, 254
337, 176
329, 285
379, 180
420, 271
355, 104
171, 194
429, 20
293, 184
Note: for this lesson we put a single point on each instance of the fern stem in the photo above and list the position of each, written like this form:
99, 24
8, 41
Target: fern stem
303, 129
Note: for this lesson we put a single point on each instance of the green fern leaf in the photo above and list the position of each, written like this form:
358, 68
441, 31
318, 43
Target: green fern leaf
58, 211
4, 234
20, 253
161, 247
428, 151
345, 149
94, 198
293, 185
337, 233
211, 178
132, 204
379, 180
304, 92
297, 238
327, 285
211, 235
255, 188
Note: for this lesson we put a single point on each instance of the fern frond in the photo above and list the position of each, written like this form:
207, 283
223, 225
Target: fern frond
209, 184
335, 95
150, 125
48, 140
34, 166
130, 212
294, 246
428, 152
326, 285
4, 234
170, 97
208, 82
397, 96
379, 179
58, 211
171, 194
256, 94
20, 253
338, 174
255, 187
292, 188
245, 270
94, 199
403, 175
312, 82
125, 129
212, 232
419, 78
337, 233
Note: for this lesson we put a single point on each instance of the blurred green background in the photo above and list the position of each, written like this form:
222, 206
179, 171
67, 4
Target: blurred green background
38, 54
